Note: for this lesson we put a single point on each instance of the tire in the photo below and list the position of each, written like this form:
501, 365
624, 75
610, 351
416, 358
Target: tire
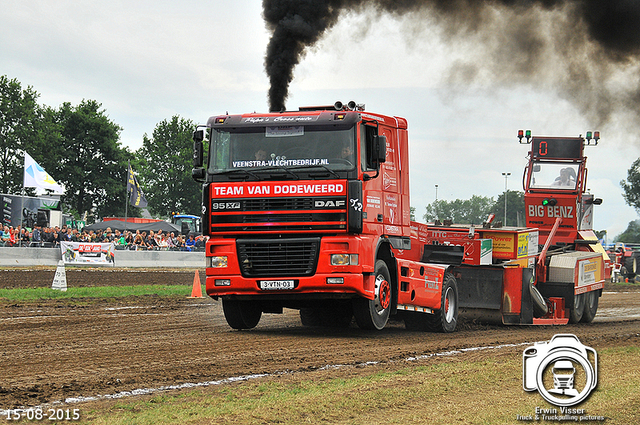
576, 313
332, 315
446, 318
416, 321
310, 317
374, 314
590, 306
241, 314
631, 265
539, 304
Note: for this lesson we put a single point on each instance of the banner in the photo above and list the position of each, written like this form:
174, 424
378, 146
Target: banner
88, 253
35, 176
23, 210
137, 198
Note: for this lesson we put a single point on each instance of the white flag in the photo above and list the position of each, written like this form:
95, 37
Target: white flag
35, 176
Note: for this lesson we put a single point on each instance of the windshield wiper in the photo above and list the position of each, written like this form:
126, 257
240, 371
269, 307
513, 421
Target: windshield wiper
281, 168
299, 167
250, 173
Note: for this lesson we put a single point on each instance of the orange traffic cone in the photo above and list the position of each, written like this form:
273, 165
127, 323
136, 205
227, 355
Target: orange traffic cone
196, 292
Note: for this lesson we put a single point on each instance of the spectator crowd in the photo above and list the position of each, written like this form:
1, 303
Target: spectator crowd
52, 236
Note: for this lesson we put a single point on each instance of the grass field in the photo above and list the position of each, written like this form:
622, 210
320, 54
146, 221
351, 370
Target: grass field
31, 294
471, 388
455, 391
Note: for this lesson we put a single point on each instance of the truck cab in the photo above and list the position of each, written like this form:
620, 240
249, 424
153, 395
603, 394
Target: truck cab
307, 209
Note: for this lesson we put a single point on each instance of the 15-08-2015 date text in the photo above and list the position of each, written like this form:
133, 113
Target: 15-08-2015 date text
38, 414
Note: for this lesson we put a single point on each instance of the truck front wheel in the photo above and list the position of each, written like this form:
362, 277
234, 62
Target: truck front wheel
241, 314
374, 314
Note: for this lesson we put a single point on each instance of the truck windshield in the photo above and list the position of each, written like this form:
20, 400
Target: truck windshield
257, 149
550, 175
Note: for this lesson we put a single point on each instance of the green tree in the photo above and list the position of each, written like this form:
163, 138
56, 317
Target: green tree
631, 234
19, 113
166, 164
90, 160
515, 208
461, 211
631, 186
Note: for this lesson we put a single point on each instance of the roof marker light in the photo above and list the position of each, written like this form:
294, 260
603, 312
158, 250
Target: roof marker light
524, 134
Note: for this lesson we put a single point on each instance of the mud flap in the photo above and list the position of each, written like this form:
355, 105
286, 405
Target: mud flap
526, 309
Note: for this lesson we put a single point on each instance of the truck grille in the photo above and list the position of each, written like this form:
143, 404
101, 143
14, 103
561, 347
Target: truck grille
253, 215
272, 204
282, 257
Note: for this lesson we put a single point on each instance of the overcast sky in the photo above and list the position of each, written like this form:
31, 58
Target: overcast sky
146, 61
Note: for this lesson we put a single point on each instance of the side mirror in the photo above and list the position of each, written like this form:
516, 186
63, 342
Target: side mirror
380, 148
198, 154
198, 174
198, 135
198, 148
597, 201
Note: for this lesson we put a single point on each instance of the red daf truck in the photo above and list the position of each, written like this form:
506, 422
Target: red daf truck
310, 210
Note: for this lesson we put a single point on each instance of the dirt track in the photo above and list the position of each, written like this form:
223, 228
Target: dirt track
68, 348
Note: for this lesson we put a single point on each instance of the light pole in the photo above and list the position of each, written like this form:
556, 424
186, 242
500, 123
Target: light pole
435, 204
506, 175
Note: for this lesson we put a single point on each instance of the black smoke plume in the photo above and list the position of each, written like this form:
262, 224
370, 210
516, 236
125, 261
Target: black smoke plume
574, 46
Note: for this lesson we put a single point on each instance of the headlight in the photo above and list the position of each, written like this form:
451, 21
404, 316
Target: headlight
335, 280
344, 259
218, 261
223, 282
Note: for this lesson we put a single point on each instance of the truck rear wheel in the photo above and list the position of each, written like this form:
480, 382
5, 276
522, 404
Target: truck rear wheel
590, 306
576, 313
374, 314
332, 315
446, 318
241, 314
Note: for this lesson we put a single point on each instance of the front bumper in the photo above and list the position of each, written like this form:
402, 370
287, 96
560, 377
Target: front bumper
332, 280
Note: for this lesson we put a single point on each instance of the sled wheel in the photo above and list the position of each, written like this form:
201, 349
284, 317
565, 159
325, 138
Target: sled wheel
590, 306
374, 314
539, 304
575, 315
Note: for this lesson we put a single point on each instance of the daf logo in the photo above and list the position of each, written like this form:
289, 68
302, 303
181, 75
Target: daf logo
329, 204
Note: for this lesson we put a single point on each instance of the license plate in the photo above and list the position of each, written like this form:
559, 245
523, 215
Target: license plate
277, 284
